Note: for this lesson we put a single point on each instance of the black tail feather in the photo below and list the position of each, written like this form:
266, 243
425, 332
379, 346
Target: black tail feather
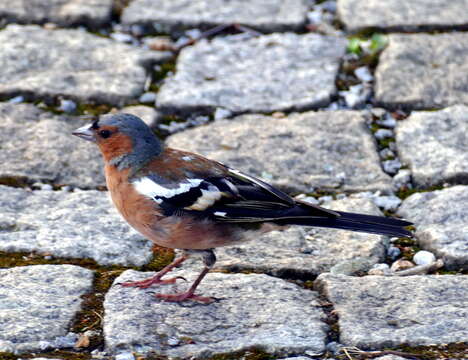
358, 222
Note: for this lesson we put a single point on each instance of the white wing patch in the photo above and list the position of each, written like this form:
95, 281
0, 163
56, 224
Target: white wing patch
208, 198
149, 188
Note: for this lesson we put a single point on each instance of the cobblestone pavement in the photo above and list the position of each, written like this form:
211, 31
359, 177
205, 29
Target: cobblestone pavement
334, 101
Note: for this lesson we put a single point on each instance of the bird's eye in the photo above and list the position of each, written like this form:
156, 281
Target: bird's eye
105, 133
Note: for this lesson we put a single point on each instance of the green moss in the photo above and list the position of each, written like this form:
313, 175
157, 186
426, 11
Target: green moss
7, 356
452, 351
15, 181
405, 192
251, 354
160, 74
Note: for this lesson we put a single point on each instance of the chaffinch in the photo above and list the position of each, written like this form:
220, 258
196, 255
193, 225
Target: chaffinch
182, 200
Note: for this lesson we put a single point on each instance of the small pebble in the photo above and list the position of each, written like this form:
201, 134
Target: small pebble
378, 112
324, 199
363, 74
172, 341
388, 121
391, 166
125, 356
383, 134
388, 203
67, 106
121, 37
379, 269
401, 265
386, 153
393, 252
278, 115
221, 113
334, 347
16, 100
424, 257
46, 187
401, 179
147, 97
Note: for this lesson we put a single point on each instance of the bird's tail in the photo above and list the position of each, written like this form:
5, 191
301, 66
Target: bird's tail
357, 222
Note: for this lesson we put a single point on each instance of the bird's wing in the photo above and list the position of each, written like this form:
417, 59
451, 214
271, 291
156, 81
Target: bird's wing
220, 193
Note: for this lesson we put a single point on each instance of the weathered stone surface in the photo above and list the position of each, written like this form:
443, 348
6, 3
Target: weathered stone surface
62, 12
81, 224
434, 145
71, 63
305, 252
176, 15
299, 152
432, 66
441, 220
415, 15
262, 74
37, 304
39, 146
377, 311
253, 311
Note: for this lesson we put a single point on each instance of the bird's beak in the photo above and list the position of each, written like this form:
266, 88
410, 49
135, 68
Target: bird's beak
85, 132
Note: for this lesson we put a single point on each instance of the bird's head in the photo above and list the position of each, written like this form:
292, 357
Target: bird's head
124, 139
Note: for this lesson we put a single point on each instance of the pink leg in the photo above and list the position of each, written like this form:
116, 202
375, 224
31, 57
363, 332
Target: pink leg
156, 279
190, 293
209, 260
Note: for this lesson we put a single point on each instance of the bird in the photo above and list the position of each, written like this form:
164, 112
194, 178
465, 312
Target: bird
182, 200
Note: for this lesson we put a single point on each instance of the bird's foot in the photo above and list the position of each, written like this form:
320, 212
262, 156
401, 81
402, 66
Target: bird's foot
185, 296
143, 284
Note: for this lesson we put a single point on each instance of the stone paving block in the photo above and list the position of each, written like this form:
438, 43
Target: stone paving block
253, 311
72, 63
62, 12
434, 145
441, 220
378, 312
422, 71
305, 251
176, 15
415, 15
38, 303
81, 224
38, 146
262, 74
298, 153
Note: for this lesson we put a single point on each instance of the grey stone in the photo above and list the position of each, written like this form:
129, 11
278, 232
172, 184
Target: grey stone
445, 133
262, 74
62, 12
432, 66
38, 146
37, 304
379, 312
82, 224
441, 219
252, 311
148, 114
72, 63
305, 252
175, 15
300, 152
415, 15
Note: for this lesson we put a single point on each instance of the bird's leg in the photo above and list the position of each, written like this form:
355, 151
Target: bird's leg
209, 260
156, 279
